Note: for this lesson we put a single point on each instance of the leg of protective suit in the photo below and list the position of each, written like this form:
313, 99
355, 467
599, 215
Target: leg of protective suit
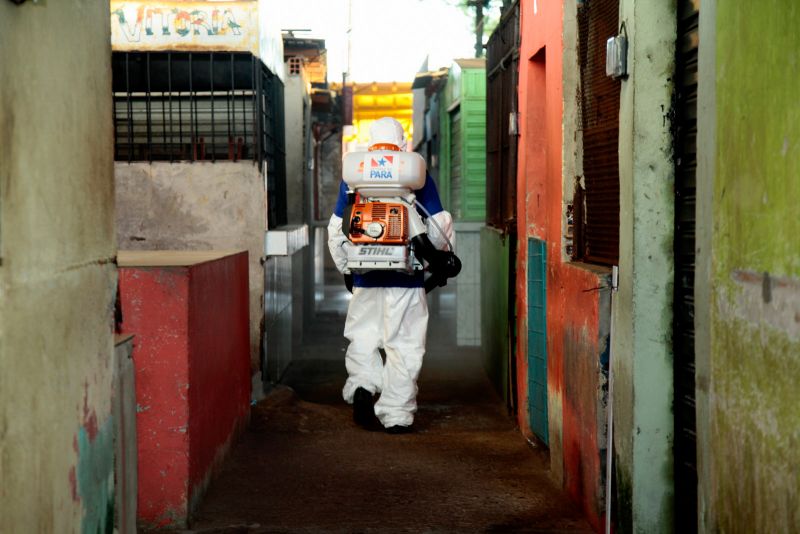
405, 325
363, 328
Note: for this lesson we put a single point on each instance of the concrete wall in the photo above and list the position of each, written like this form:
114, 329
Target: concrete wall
642, 310
328, 172
197, 206
577, 309
748, 248
57, 277
297, 107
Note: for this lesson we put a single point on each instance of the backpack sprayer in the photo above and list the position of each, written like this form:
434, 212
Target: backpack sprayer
381, 218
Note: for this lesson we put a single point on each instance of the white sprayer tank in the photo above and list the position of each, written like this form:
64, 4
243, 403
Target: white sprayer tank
383, 172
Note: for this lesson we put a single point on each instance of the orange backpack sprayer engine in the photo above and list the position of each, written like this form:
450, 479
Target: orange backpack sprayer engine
381, 218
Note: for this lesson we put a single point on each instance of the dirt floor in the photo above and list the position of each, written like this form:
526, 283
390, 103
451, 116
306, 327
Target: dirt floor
303, 466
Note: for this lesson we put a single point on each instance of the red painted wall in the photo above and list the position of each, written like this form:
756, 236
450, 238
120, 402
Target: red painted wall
155, 309
220, 363
191, 353
573, 348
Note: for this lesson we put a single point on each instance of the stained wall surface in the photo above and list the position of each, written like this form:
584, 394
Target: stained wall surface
57, 277
642, 360
754, 276
197, 206
297, 118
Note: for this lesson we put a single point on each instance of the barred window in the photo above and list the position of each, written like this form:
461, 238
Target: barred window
191, 106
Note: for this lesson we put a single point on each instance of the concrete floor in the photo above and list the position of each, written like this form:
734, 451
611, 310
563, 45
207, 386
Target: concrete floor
303, 466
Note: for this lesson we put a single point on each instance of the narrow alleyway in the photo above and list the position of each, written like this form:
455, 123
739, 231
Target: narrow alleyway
303, 466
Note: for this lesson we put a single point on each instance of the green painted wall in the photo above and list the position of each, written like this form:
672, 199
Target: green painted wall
753, 408
443, 180
465, 87
473, 110
57, 276
494, 306
642, 308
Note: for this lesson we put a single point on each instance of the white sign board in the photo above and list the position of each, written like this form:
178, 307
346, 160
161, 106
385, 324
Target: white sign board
160, 25
172, 25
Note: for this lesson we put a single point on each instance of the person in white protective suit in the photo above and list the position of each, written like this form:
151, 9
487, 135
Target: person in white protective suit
388, 310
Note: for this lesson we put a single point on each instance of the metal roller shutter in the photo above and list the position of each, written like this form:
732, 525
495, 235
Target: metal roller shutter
685, 214
502, 63
598, 232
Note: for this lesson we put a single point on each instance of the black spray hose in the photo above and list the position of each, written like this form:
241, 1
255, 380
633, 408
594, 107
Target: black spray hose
442, 264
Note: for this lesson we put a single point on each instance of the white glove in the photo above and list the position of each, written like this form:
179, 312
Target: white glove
445, 222
338, 244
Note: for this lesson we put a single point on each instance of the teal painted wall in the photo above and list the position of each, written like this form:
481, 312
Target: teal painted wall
754, 293
465, 87
95, 479
494, 307
537, 338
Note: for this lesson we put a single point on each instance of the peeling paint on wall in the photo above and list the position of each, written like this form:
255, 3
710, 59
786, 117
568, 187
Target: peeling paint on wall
761, 299
584, 405
95, 475
577, 310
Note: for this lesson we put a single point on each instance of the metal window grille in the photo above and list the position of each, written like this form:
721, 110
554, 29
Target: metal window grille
191, 106
596, 208
501, 143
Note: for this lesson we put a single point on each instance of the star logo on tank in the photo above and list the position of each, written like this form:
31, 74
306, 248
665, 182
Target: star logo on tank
381, 168
383, 161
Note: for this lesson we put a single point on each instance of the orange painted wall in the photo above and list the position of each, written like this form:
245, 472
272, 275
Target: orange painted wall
575, 342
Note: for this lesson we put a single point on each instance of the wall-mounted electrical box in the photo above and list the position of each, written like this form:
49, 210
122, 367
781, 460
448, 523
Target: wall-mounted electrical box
617, 56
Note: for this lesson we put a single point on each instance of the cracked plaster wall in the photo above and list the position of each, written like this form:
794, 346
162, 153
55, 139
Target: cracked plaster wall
57, 277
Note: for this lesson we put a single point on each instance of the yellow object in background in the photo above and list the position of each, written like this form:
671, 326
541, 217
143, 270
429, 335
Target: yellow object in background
371, 101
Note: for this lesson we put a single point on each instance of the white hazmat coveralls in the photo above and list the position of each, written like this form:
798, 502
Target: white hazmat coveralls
392, 318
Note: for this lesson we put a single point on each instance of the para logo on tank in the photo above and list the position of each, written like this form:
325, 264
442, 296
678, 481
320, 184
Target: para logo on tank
381, 168
381, 175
